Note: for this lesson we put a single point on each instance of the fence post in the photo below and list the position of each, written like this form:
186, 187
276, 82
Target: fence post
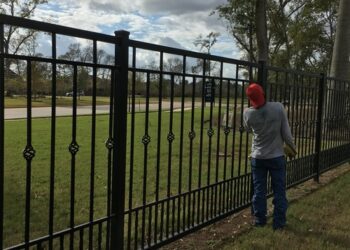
262, 81
2, 133
119, 134
319, 127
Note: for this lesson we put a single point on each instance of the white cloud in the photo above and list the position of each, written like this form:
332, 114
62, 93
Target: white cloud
155, 7
166, 22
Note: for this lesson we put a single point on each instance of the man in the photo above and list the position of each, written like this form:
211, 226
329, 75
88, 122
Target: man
269, 124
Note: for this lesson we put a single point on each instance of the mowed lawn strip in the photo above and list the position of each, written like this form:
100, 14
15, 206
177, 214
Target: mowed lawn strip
317, 221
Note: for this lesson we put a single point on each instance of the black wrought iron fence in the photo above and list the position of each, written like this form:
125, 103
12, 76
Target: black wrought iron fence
167, 156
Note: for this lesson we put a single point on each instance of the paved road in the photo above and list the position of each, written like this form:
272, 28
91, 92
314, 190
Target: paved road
17, 113
20, 113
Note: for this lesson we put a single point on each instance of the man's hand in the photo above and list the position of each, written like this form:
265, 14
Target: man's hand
290, 151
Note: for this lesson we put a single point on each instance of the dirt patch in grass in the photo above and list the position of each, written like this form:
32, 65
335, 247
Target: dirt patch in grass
230, 228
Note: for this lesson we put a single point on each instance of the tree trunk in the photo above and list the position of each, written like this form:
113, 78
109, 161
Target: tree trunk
262, 42
261, 30
340, 67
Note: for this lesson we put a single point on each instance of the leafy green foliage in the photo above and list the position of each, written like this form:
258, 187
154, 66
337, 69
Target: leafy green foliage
300, 33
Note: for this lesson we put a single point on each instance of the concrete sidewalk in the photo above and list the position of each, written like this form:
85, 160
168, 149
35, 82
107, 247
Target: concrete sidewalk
21, 113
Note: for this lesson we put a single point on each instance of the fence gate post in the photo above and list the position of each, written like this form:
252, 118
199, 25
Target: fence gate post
119, 136
319, 127
2, 125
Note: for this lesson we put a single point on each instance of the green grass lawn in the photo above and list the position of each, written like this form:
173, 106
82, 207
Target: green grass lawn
208, 167
317, 221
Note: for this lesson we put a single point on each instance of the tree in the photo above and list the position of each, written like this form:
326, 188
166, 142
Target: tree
261, 30
14, 37
300, 33
311, 33
239, 17
205, 43
82, 54
17, 39
340, 67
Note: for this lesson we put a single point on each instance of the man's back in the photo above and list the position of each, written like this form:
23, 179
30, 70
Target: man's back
270, 129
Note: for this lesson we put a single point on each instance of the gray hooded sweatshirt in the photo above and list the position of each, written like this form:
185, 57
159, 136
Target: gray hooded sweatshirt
270, 128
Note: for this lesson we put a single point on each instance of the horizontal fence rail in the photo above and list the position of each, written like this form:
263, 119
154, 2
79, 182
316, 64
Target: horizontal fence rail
168, 153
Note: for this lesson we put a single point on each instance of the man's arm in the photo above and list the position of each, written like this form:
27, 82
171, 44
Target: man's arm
245, 122
285, 130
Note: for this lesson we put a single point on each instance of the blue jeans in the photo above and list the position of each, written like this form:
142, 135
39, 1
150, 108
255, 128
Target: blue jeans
277, 169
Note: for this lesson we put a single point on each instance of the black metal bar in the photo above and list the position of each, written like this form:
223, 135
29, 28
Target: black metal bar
57, 61
297, 119
161, 220
233, 188
193, 209
136, 230
302, 117
151, 71
2, 132
276, 87
241, 131
191, 137
309, 116
146, 140
132, 138
269, 94
53, 142
81, 239
314, 118
160, 98
39, 246
286, 101
319, 127
201, 138
173, 219
53, 28
28, 153
99, 239
181, 52
328, 117
210, 134
93, 144
183, 83
218, 144
149, 237
73, 148
62, 242
119, 135
170, 138
109, 145
227, 132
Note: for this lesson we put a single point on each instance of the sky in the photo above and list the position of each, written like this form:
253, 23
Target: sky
174, 23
